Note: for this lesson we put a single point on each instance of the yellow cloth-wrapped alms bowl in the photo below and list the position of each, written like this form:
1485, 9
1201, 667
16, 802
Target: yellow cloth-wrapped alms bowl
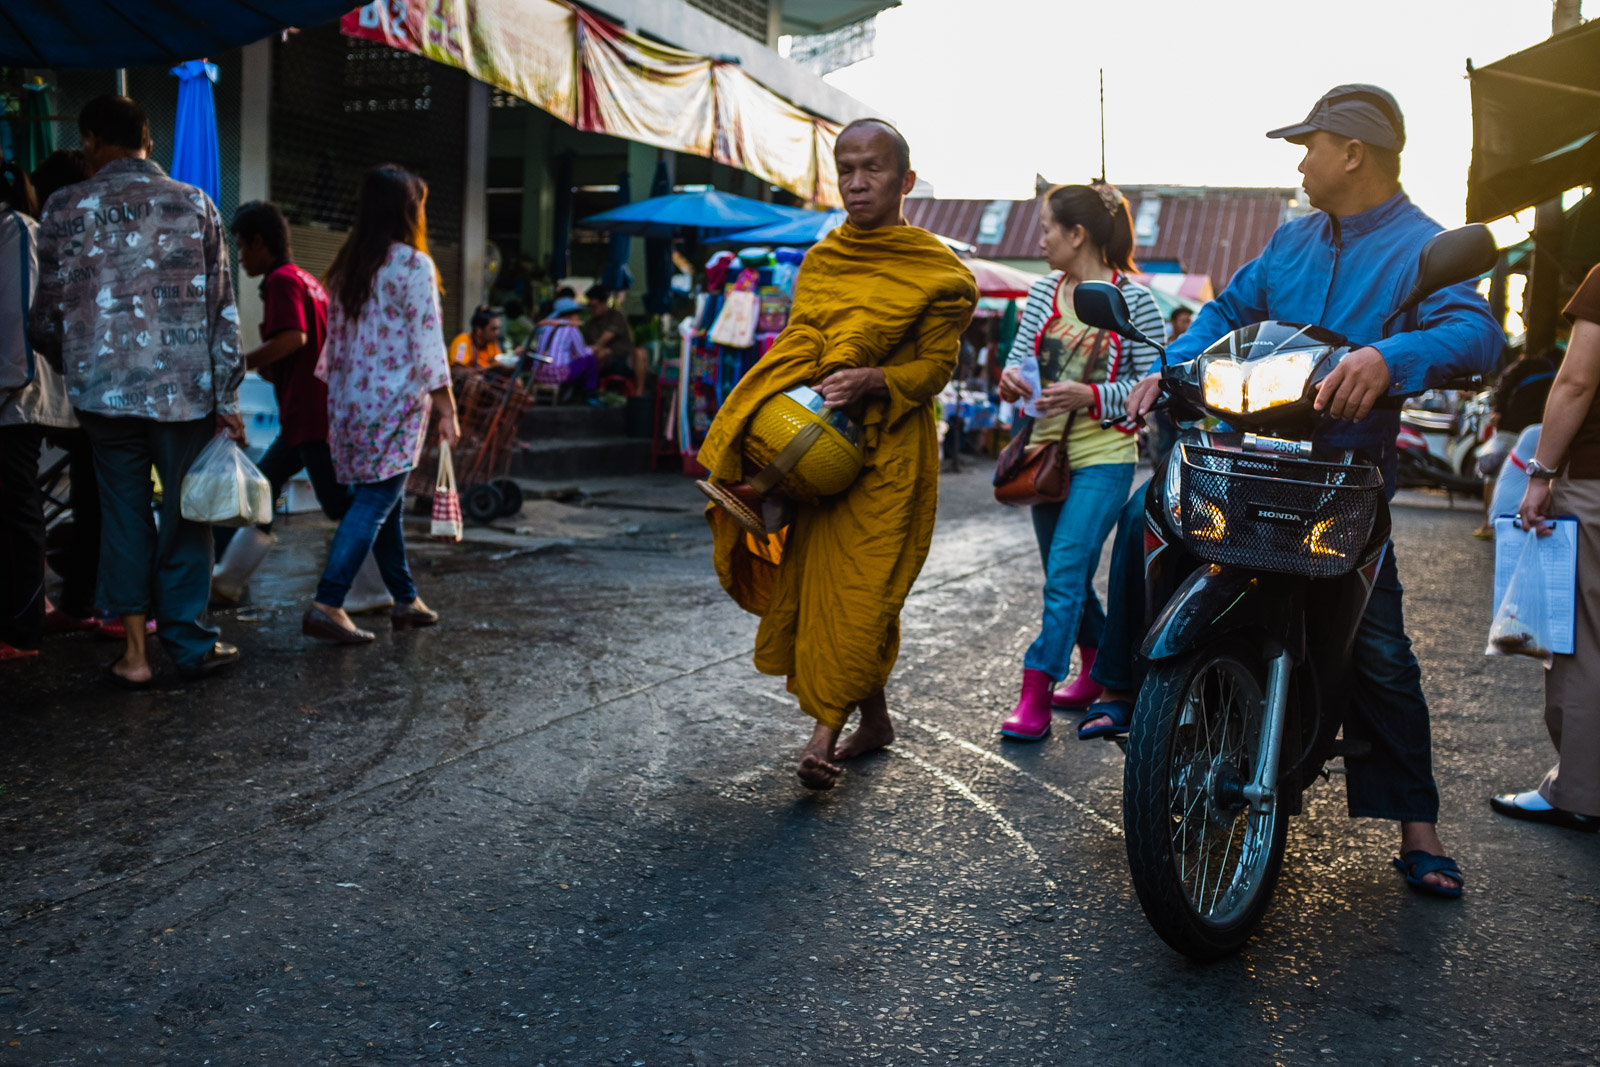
828, 466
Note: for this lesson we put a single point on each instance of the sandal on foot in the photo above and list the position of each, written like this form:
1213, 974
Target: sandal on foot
1120, 712
110, 676
1416, 865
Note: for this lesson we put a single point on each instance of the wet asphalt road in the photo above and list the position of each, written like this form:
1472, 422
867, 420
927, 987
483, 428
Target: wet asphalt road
563, 829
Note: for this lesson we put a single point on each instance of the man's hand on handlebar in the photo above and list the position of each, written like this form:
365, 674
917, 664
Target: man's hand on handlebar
1143, 397
1355, 385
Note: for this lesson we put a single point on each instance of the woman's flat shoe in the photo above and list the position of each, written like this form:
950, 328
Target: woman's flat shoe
315, 624
1506, 804
413, 618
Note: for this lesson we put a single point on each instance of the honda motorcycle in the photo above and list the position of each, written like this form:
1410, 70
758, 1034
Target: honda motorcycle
1261, 549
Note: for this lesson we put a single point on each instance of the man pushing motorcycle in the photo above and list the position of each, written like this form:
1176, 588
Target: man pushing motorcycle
1344, 266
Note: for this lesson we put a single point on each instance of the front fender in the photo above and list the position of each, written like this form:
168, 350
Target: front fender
1214, 601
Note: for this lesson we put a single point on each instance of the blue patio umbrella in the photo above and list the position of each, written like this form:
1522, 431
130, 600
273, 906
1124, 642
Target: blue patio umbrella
658, 253
808, 229
678, 214
138, 33
194, 142
617, 275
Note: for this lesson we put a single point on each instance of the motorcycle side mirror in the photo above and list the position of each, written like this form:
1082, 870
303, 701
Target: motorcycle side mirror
1447, 259
1102, 305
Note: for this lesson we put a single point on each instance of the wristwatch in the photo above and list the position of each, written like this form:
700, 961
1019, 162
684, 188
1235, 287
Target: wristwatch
1538, 470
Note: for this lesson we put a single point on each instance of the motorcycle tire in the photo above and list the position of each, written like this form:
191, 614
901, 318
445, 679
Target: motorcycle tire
1165, 781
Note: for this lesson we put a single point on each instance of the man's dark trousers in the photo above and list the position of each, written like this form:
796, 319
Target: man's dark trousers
21, 537
165, 573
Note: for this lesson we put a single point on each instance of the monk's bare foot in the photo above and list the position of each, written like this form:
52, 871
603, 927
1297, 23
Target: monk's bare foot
817, 769
875, 731
816, 773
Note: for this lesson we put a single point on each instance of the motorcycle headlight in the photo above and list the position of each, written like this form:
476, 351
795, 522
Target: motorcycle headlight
1223, 383
1265, 383
1278, 380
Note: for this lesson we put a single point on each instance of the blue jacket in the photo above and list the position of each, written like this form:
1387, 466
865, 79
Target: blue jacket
1347, 275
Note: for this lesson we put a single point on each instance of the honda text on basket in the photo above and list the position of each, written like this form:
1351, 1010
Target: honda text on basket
1260, 553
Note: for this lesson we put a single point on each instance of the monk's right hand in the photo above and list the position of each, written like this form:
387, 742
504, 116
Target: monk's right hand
1143, 396
1013, 387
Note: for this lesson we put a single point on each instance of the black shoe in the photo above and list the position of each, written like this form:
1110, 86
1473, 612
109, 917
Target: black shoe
1505, 804
219, 657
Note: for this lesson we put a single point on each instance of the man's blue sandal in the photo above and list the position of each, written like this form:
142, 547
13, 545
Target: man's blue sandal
1120, 712
1417, 865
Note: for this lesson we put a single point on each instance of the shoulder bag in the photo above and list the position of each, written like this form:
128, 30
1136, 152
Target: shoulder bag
1027, 474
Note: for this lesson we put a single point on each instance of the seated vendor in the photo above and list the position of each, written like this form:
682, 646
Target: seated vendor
609, 334
561, 355
477, 348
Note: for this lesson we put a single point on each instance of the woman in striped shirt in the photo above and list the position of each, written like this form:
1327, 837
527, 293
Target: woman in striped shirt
1086, 234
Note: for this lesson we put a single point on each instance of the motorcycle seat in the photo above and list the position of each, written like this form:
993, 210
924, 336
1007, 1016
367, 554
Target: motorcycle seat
1431, 421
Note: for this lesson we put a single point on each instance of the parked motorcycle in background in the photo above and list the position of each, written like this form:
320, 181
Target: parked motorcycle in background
1261, 549
1439, 449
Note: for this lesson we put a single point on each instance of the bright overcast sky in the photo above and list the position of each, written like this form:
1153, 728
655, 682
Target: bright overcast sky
989, 92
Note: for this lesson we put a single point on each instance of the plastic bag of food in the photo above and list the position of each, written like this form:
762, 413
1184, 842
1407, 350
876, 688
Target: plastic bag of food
224, 488
1522, 622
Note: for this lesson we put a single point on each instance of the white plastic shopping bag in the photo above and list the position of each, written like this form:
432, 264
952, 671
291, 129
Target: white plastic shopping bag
224, 488
1521, 624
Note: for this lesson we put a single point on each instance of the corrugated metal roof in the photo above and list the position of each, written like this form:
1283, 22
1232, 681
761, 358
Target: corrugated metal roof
1212, 231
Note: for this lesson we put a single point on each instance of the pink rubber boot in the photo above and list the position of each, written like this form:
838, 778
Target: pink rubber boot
1082, 691
1031, 720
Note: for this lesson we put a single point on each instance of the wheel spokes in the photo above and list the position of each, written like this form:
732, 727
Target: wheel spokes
1216, 851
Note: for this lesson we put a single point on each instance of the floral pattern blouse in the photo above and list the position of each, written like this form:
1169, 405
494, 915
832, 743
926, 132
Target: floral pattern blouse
380, 367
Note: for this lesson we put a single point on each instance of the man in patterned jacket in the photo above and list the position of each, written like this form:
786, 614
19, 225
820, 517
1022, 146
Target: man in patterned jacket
135, 308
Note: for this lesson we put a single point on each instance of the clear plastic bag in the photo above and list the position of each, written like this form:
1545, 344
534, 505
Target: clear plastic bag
1522, 621
224, 488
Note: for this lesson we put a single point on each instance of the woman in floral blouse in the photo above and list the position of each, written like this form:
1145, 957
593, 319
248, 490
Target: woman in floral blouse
384, 362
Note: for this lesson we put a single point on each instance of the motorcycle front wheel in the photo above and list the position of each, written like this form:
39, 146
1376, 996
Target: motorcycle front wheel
1203, 862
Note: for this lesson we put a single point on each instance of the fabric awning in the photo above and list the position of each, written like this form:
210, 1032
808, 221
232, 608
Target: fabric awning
1535, 124
64, 34
591, 73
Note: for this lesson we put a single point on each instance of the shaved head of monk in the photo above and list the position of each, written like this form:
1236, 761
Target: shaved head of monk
875, 173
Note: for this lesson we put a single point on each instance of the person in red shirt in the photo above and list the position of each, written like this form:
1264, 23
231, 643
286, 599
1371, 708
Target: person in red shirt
294, 323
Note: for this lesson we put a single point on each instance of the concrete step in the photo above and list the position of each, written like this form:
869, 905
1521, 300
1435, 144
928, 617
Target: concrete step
578, 458
570, 422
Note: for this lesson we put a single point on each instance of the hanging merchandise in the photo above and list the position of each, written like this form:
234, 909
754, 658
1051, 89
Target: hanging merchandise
741, 309
774, 311
195, 158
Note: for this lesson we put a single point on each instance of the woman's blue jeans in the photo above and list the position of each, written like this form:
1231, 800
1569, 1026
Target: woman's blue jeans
371, 525
1070, 535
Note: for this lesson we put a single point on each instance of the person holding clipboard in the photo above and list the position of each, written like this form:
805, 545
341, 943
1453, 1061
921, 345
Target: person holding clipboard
1564, 479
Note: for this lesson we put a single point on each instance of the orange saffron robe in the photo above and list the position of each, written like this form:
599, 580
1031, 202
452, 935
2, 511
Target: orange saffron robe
829, 587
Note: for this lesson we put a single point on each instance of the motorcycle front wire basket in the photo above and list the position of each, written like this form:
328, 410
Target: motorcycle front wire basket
1276, 513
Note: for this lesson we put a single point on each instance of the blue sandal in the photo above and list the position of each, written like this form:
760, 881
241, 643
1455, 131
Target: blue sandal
1417, 865
1120, 712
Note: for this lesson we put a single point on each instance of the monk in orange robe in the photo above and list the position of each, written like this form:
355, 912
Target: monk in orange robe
875, 328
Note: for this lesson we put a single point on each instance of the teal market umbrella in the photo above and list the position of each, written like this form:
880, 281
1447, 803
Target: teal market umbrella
194, 143
1008, 327
41, 138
